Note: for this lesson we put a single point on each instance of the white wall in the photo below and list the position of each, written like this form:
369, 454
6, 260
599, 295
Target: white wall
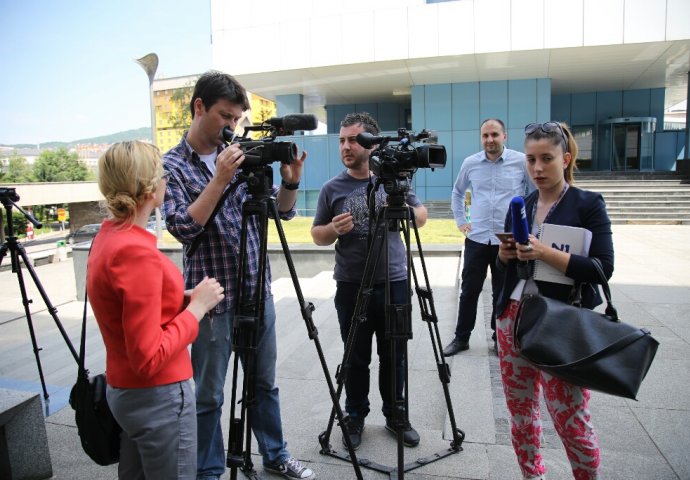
273, 35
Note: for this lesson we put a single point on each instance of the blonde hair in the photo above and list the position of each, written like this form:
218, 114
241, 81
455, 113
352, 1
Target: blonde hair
128, 172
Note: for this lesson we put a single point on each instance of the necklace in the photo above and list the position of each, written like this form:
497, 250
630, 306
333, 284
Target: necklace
551, 209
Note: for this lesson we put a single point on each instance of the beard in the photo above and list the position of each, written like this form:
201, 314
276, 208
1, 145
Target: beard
355, 162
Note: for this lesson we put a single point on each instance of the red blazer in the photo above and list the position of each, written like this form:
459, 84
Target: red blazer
137, 296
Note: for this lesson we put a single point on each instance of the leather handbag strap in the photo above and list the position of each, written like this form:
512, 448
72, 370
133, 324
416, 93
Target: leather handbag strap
611, 311
82, 343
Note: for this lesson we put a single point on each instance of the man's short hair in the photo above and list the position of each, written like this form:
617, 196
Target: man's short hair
214, 85
497, 120
367, 121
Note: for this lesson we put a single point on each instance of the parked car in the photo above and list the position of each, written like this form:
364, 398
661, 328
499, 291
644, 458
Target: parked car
83, 234
151, 226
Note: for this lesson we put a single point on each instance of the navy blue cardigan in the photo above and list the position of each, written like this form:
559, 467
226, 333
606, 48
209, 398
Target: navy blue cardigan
577, 208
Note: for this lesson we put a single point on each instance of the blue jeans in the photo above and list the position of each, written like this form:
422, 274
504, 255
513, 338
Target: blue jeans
477, 257
357, 381
210, 358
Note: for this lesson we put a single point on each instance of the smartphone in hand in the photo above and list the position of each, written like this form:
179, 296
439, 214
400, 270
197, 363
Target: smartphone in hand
505, 237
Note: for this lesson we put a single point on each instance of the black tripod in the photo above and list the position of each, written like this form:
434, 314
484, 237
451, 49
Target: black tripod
395, 217
249, 315
8, 197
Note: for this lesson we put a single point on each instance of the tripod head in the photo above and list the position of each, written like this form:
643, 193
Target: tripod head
8, 197
259, 181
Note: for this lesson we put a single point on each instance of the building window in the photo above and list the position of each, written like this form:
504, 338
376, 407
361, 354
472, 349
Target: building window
584, 136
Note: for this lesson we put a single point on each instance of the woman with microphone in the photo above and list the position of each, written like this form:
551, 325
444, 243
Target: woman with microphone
551, 153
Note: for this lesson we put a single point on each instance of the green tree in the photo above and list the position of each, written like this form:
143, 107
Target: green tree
180, 115
17, 170
59, 166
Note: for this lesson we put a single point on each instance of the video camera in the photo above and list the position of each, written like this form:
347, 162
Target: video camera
266, 150
403, 158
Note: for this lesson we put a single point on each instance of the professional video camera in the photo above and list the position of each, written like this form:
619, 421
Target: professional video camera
262, 152
403, 158
395, 163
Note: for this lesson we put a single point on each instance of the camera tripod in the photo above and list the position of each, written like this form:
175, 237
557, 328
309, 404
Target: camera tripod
395, 217
249, 316
8, 197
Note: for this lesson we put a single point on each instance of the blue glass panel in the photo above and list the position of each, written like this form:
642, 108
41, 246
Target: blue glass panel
465, 106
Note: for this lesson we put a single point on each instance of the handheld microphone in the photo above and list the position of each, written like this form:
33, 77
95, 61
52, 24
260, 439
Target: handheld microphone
520, 232
519, 215
297, 121
367, 140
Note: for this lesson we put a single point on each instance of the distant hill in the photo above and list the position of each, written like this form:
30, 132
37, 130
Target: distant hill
143, 133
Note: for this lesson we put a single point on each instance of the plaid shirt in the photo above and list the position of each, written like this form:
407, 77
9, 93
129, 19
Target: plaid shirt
217, 255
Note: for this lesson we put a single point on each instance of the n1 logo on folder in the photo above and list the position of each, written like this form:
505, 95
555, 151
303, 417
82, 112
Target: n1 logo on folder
563, 247
573, 240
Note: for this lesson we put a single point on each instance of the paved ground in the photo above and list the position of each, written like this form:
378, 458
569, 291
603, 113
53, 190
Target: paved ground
647, 439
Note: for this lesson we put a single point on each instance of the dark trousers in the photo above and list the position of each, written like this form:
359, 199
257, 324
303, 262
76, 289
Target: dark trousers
476, 258
357, 381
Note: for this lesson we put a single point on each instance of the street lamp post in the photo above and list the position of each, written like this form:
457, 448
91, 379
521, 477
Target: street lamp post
150, 64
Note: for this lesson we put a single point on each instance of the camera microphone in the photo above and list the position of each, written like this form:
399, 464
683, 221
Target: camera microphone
520, 231
297, 121
367, 140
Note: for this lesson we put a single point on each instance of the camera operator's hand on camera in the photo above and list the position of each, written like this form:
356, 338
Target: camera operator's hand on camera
343, 223
292, 173
227, 163
204, 297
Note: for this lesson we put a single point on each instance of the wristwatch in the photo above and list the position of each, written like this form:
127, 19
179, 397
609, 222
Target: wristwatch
289, 186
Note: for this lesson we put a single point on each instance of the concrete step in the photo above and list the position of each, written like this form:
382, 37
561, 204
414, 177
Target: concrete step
612, 176
635, 203
636, 197
650, 221
640, 212
587, 184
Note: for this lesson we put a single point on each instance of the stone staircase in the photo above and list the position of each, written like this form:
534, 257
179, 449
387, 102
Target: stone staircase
631, 198
641, 198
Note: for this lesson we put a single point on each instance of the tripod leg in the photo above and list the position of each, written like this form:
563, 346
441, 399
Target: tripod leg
358, 317
428, 313
398, 332
27, 311
249, 312
234, 459
51, 309
307, 309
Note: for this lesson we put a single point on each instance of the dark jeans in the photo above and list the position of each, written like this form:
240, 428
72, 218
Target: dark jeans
357, 382
476, 258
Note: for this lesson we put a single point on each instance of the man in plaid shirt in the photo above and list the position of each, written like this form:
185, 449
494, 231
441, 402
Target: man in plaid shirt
200, 168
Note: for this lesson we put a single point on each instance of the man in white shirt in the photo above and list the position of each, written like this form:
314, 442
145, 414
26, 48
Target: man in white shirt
494, 176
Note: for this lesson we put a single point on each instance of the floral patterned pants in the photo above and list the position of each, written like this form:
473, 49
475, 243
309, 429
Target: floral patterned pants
566, 403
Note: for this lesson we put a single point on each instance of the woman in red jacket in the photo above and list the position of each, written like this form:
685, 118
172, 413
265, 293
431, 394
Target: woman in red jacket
138, 298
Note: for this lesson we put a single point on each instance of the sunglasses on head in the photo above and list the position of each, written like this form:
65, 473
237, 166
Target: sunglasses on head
548, 128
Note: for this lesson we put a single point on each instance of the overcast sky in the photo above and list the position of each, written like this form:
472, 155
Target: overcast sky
68, 67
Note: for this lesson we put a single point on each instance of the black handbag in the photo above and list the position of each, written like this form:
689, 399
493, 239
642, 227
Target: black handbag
586, 348
98, 430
